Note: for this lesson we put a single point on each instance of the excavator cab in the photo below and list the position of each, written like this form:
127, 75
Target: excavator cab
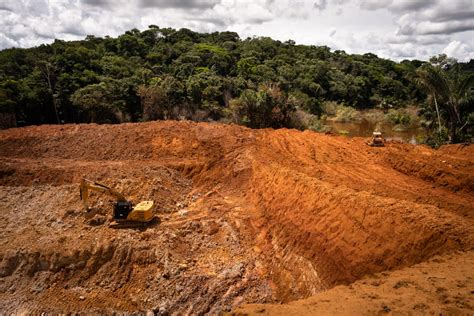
122, 209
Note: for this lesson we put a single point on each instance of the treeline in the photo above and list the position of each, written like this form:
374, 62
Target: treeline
162, 73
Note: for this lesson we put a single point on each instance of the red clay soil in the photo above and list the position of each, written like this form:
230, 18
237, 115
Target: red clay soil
441, 286
247, 216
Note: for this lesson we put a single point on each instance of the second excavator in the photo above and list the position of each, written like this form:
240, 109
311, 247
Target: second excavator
124, 210
377, 140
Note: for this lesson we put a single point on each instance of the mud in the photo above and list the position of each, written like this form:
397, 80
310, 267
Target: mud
246, 216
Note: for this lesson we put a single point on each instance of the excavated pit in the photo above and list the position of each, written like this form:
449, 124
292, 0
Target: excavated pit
246, 216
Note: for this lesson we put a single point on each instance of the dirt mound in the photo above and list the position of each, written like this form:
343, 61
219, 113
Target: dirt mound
450, 166
247, 215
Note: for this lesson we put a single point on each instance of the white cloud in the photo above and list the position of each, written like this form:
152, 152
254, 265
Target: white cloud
446, 17
397, 5
248, 12
7, 42
178, 4
375, 4
320, 4
459, 50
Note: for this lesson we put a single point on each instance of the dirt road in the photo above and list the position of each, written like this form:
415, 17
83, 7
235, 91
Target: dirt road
247, 216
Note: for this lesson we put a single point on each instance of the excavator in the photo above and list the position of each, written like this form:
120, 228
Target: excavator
125, 213
377, 140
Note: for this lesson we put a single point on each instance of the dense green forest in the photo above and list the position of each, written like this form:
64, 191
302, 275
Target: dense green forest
162, 73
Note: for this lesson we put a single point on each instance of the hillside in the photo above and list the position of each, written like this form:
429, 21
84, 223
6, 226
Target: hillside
246, 216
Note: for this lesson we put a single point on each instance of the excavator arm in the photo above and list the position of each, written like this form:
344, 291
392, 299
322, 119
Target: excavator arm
87, 185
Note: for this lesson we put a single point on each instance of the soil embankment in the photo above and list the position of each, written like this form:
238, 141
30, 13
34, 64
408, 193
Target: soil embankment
441, 285
247, 216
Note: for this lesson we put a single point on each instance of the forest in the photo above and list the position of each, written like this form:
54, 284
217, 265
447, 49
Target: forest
163, 73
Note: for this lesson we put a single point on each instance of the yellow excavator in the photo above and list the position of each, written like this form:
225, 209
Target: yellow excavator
124, 211
377, 140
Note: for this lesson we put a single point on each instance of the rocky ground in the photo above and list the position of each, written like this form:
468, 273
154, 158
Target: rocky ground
245, 216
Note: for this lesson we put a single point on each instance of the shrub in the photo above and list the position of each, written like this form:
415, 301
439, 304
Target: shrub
438, 138
267, 107
340, 113
329, 108
398, 117
347, 114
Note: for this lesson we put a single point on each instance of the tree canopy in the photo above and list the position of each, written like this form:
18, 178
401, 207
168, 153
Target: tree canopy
451, 94
163, 73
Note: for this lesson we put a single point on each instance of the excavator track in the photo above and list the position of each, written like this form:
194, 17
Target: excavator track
130, 224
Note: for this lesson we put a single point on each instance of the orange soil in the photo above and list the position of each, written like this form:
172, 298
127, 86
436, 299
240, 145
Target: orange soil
271, 215
441, 286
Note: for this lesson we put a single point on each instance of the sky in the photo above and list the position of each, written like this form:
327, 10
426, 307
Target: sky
395, 29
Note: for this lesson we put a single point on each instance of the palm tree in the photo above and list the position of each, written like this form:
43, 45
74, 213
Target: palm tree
431, 80
461, 92
449, 90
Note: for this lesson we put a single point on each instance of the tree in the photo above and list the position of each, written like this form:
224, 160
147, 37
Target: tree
154, 102
208, 91
268, 107
100, 103
163, 98
450, 91
48, 71
130, 44
9, 95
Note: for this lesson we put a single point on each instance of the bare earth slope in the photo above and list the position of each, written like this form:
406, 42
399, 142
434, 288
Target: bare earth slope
247, 216
443, 285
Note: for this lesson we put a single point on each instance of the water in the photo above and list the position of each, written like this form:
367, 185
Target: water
365, 128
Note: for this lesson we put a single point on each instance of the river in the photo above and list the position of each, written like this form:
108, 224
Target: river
364, 128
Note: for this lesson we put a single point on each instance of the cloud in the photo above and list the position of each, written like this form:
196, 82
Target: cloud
424, 17
7, 41
434, 39
411, 5
320, 5
375, 4
444, 27
243, 12
71, 22
98, 3
10, 6
178, 4
397, 5
447, 17
295, 9
459, 50
39, 7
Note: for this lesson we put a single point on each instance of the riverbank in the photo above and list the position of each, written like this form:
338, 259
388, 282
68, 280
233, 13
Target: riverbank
402, 124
